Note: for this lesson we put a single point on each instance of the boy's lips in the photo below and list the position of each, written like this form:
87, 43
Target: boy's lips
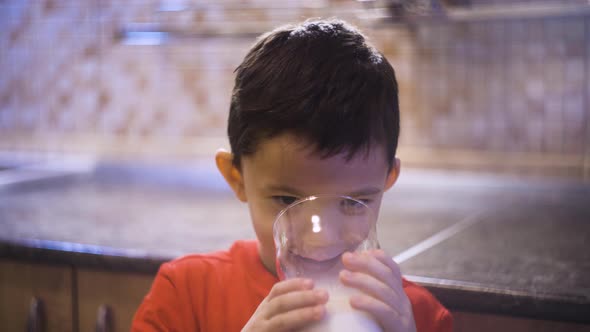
311, 265
321, 254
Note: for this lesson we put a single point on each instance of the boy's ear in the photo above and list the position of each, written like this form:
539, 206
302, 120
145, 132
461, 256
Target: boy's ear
393, 175
231, 173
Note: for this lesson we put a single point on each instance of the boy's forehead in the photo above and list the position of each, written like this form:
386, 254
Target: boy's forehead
288, 159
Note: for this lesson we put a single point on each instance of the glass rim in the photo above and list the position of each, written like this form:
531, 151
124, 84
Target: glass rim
314, 197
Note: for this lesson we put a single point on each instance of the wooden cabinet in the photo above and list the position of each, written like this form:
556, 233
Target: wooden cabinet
72, 297
20, 282
122, 292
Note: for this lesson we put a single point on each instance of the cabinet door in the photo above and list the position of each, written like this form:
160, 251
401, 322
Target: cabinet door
467, 322
122, 292
20, 282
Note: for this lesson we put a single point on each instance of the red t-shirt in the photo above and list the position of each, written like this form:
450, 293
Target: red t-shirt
220, 291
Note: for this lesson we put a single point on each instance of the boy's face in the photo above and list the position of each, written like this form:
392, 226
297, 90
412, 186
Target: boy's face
284, 169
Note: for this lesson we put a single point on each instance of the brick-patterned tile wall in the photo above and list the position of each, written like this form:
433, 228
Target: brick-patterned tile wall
505, 86
478, 88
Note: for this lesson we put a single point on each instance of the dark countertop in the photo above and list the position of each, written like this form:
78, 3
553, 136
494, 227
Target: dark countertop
483, 243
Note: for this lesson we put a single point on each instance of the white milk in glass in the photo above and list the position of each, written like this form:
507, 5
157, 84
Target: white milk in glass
340, 316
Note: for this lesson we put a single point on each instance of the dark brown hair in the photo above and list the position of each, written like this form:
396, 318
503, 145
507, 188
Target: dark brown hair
319, 80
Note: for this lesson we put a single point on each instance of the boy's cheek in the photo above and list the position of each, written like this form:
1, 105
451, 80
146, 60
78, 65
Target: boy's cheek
263, 217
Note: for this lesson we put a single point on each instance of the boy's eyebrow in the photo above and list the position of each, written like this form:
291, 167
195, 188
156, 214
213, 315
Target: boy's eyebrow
286, 189
362, 192
365, 192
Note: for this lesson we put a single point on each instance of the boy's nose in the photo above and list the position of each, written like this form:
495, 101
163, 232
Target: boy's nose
322, 230
322, 240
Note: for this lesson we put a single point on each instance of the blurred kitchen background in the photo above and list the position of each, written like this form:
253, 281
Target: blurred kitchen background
498, 85
111, 111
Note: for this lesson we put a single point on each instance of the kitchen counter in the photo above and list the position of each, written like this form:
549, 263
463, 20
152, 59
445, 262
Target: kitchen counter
481, 243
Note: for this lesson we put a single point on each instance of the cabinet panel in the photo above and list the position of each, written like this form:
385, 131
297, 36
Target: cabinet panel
123, 292
467, 322
20, 282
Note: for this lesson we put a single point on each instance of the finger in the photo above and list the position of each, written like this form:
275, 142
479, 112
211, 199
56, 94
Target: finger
389, 262
369, 264
371, 286
290, 285
394, 319
397, 282
295, 300
378, 309
296, 319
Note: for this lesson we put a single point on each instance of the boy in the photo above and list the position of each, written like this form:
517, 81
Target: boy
314, 110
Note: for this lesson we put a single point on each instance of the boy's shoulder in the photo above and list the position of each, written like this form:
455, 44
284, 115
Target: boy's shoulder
428, 311
220, 271
240, 261
240, 252
419, 293
197, 285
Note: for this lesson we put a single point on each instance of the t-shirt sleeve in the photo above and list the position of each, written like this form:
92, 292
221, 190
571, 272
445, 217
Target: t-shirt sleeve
434, 319
162, 308
429, 314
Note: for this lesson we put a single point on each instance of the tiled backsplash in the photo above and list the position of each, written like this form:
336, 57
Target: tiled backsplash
498, 94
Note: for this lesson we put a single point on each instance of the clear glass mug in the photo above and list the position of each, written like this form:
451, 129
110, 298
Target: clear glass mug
310, 236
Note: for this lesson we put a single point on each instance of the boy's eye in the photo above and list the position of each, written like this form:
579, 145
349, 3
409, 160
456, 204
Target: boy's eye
353, 207
285, 200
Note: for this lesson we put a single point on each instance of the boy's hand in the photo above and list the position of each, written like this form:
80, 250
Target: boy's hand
291, 304
379, 278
